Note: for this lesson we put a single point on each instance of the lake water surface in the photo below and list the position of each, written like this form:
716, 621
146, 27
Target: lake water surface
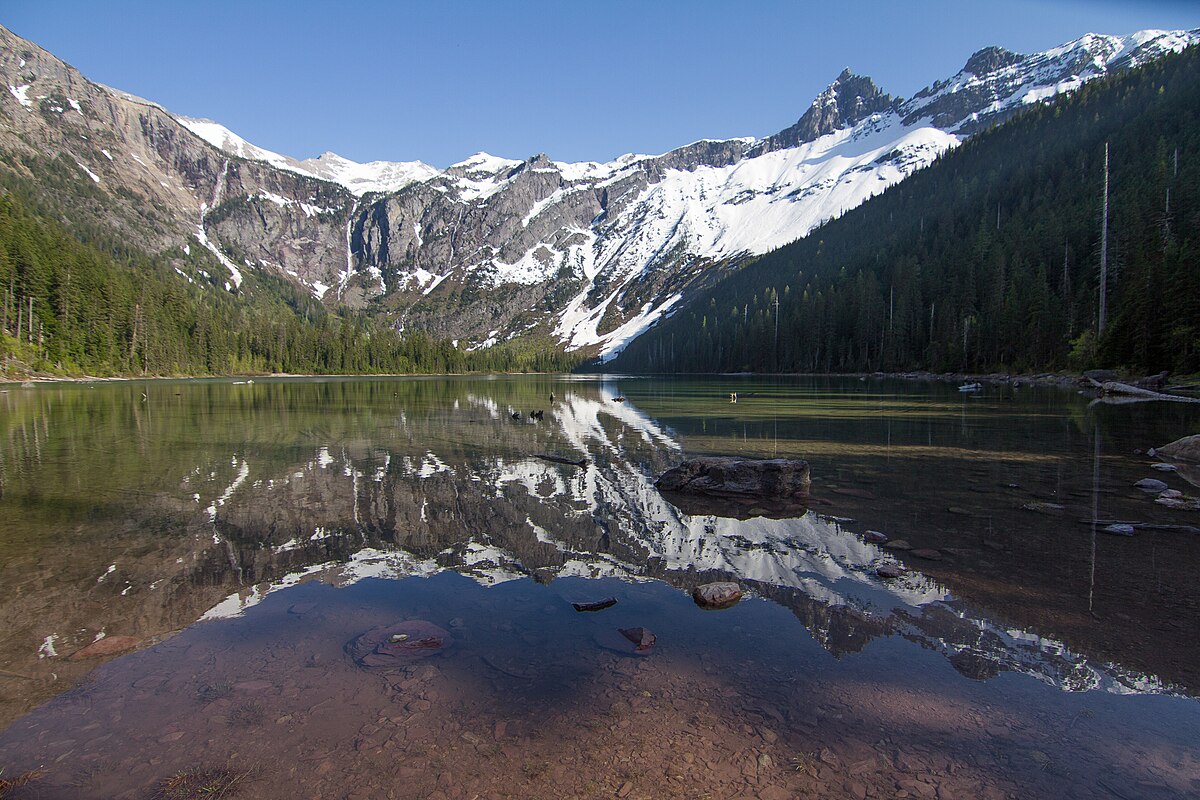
218, 546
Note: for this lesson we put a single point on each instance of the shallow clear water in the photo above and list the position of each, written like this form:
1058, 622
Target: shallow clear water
1037, 657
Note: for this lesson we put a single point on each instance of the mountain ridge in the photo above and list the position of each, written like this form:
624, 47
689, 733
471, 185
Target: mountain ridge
491, 249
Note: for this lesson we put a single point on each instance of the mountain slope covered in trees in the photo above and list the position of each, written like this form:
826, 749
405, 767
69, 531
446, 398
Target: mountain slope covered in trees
101, 308
988, 259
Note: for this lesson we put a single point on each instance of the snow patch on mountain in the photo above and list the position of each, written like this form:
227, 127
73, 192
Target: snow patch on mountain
359, 179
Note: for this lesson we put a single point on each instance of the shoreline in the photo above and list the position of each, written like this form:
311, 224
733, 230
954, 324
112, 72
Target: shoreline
1063, 380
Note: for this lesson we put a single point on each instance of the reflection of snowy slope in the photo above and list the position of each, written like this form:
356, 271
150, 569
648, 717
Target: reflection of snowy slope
497, 518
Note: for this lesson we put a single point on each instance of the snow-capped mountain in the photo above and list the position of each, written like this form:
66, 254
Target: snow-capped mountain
360, 179
589, 254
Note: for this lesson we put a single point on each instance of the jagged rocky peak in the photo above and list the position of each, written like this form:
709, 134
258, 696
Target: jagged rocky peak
847, 101
540, 161
990, 59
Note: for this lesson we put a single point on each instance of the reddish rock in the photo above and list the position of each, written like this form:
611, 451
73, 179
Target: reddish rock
108, 646
890, 571
927, 553
875, 537
398, 644
642, 638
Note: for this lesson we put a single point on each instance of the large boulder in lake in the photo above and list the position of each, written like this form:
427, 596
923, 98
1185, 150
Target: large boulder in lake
1185, 449
715, 596
768, 479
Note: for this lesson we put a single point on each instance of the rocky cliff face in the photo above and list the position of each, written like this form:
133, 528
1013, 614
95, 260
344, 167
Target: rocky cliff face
107, 160
490, 249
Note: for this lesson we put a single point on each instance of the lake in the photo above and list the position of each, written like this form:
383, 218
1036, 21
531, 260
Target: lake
187, 567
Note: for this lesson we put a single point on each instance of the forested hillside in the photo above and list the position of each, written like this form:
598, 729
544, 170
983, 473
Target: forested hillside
989, 259
98, 308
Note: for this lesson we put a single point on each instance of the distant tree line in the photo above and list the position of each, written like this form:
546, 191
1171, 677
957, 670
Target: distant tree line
989, 258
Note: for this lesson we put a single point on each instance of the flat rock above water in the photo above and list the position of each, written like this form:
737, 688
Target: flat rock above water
773, 478
723, 594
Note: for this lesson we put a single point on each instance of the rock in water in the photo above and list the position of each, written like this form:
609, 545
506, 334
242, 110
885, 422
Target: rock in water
642, 638
1185, 449
1118, 529
399, 644
890, 571
717, 595
875, 537
774, 478
1151, 485
598, 605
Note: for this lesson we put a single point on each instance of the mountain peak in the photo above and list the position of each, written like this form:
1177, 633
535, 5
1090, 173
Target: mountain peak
989, 59
845, 102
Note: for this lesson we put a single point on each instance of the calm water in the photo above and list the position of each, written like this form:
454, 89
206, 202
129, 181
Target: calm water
229, 540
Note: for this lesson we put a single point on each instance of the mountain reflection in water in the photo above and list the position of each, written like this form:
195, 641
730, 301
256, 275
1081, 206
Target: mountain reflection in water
123, 517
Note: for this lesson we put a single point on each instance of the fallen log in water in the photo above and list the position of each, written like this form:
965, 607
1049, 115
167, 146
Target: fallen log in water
1109, 388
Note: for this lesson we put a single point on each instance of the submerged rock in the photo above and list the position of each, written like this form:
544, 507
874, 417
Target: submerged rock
399, 644
108, 646
927, 553
642, 638
897, 544
1151, 485
1118, 529
724, 594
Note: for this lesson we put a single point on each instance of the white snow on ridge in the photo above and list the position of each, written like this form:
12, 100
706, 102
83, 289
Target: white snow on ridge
359, 179
484, 162
373, 176
226, 140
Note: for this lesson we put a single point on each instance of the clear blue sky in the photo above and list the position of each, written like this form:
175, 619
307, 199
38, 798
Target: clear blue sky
441, 79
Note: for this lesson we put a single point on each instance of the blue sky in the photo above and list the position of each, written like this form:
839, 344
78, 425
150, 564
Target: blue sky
442, 79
